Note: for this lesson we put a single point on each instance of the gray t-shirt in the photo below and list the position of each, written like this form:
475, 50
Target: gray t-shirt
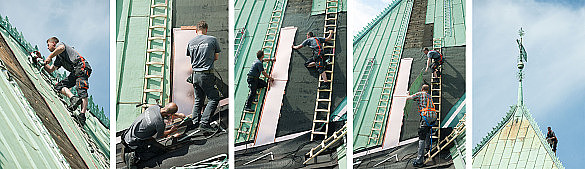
148, 124
312, 43
256, 68
202, 50
67, 58
433, 54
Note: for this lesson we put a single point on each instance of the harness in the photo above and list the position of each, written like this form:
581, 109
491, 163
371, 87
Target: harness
440, 61
319, 52
429, 111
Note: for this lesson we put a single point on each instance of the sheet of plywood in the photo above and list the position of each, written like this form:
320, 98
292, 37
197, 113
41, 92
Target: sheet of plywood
394, 124
266, 131
182, 93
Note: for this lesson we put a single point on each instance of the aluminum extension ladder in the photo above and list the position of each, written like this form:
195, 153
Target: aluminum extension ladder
314, 152
155, 55
323, 100
389, 82
270, 40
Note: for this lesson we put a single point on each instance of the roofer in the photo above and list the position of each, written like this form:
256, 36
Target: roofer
428, 119
318, 59
140, 139
552, 140
203, 50
254, 81
437, 59
79, 72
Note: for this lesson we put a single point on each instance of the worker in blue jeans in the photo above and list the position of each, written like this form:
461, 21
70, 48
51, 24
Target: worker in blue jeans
428, 119
203, 50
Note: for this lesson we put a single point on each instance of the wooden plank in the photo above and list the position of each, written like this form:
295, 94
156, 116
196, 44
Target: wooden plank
266, 131
394, 124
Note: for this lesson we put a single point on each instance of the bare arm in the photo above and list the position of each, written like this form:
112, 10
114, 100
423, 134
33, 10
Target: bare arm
267, 76
330, 35
268, 59
56, 52
167, 132
216, 56
50, 68
298, 46
428, 63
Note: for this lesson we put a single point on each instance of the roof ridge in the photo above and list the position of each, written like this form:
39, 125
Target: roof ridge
494, 130
375, 21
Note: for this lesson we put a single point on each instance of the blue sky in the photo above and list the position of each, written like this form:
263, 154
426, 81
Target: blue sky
554, 88
363, 12
83, 24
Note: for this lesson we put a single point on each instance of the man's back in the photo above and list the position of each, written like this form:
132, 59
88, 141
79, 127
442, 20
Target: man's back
201, 50
148, 124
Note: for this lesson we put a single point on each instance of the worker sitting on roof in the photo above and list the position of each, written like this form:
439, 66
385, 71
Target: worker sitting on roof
203, 50
254, 81
428, 119
437, 59
79, 72
140, 139
318, 59
552, 140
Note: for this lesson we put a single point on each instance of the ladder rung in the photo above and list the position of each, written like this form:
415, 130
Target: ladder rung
320, 121
158, 16
159, 5
153, 91
245, 121
157, 26
154, 63
322, 110
323, 100
153, 76
155, 50
318, 132
157, 38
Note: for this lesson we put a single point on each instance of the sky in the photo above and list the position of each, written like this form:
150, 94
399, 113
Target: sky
83, 24
554, 88
363, 12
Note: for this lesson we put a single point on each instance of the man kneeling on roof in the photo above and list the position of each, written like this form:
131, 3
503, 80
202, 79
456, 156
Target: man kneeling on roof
254, 81
428, 119
318, 59
140, 139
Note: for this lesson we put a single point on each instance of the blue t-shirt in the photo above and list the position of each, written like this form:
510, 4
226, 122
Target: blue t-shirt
434, 54
256, 68
202, 50
312, 43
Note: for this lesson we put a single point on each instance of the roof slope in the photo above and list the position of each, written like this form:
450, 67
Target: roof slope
515, 143
86, 147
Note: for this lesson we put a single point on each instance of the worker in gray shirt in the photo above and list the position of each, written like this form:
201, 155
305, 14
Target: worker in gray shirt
254, 81
203, 50
79, 72
318, 60
140, 139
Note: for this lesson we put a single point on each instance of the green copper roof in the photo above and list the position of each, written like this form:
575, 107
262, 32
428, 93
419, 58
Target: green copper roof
376, 41
318, 6
131, 39
91, 141
448, 17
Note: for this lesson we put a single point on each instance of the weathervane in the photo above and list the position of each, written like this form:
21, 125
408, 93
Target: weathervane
523, 56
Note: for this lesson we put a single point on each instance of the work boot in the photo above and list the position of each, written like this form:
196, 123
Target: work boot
417, 164
193, 125
130, 160
74, 102
325, 85
81, 118
206, 129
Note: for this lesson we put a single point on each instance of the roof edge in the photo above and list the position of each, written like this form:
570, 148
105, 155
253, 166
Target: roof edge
375, 21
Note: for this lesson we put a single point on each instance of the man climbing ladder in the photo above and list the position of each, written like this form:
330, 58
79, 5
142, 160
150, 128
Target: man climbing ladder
437, 59
254, 81
318, 60
428, 119
79, 72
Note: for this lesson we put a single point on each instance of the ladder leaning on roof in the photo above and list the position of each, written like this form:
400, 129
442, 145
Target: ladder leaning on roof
323, 100
238, 43
389, 81
326, 143
270, 40
154, 71
362, 83
457, 130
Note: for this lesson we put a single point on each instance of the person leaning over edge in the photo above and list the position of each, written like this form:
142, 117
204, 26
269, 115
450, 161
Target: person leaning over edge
140, 139
436, 58
203, 50
79, 72
318, 59
428, 119
254, 81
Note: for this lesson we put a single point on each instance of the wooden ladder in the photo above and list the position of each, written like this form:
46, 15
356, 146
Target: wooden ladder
457, 130
323, 101
389, 81
362, 84
268, 46
436, 93
238, 42
154, 73
314, 152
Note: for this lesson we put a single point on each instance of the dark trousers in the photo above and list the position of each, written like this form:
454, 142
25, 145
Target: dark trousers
424, 136
254, 84
144, 149
204, 85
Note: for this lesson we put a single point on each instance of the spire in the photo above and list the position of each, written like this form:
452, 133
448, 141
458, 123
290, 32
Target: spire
522, 57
